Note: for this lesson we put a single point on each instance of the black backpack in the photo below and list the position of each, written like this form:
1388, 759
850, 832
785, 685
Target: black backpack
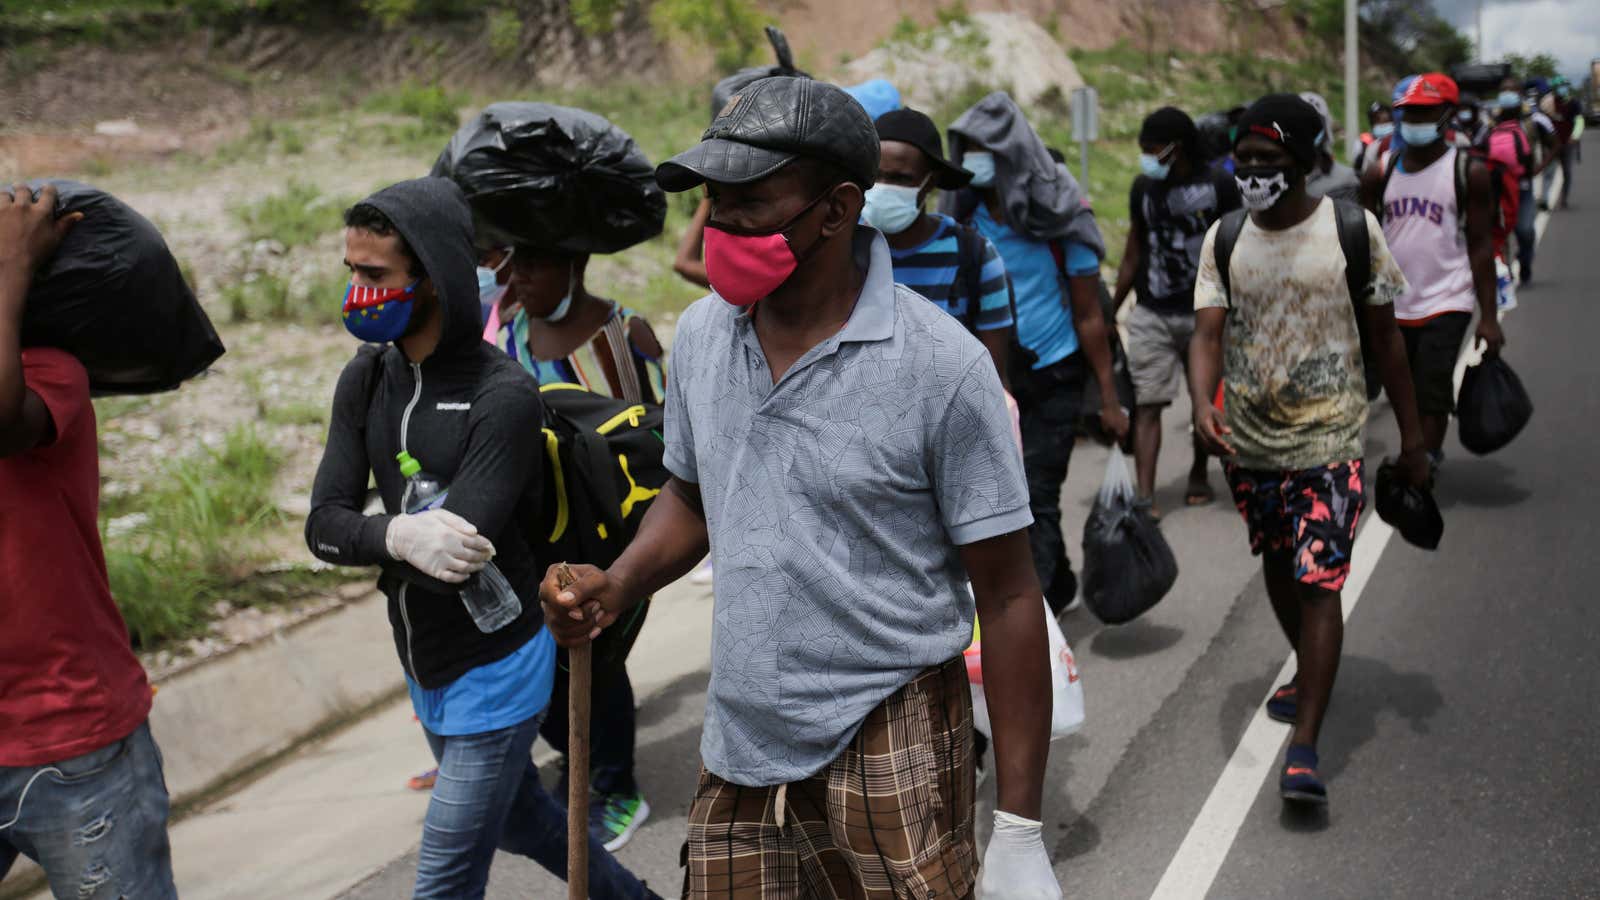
1354, 241
604, 465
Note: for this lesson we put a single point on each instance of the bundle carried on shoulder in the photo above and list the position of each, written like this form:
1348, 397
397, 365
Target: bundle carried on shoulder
561, 179
114, 297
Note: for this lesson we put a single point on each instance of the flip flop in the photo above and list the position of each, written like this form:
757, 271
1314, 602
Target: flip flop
1198, 494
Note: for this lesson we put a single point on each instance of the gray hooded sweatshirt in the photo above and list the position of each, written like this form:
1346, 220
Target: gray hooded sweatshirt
1042, 200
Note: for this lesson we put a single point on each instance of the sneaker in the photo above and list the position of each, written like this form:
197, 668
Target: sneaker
1300, 782
702, 574
1284, 704
613, 818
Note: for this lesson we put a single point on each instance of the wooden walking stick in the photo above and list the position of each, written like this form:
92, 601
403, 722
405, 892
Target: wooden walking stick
578, 693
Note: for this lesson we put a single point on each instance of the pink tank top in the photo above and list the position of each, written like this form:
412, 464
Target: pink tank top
1423, 228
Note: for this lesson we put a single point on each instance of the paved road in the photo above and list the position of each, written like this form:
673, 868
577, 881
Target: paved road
1456, 746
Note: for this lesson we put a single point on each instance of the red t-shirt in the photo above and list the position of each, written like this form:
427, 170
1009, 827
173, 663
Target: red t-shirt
69, 682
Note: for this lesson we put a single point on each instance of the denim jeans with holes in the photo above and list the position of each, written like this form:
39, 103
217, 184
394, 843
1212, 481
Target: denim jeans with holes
488, 797
96, 823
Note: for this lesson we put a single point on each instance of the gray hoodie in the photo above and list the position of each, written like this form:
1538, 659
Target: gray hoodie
1042, 200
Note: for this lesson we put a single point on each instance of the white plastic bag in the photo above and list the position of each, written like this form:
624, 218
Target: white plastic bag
1505, 286
1066, 688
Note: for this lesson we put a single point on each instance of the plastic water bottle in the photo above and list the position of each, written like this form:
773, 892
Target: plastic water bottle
488, 596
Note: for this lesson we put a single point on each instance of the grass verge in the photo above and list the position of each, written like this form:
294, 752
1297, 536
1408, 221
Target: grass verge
195, 543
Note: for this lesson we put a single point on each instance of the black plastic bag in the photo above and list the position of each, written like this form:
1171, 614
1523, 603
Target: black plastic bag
1127, 565
555, 178
1493, 407
1411, 510
738, 81
114, 297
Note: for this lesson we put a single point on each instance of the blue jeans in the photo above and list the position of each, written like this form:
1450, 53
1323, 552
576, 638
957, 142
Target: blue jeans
96, 823
1527, 210
488, 797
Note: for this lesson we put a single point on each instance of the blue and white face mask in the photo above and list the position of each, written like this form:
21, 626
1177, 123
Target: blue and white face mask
1419, 134
490, 290
981, 164
1157, 165
892, 208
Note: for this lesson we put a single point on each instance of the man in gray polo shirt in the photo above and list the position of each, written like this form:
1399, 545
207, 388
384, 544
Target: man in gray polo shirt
843, 448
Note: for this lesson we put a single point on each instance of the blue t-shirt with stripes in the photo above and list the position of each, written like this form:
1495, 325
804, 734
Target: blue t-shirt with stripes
932, 270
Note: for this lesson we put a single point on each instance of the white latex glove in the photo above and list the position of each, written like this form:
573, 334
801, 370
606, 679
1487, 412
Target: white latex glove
1016, 866
440, 544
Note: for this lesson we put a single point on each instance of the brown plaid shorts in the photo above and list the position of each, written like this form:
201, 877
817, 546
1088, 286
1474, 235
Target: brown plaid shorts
890, 818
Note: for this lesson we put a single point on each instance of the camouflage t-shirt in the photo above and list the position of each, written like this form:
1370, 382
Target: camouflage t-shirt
1294, 391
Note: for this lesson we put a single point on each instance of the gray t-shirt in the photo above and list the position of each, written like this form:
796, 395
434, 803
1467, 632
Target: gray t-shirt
836, 501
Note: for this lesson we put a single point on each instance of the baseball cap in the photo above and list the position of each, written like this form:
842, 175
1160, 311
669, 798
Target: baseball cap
1430, 89
909, 126
770, 124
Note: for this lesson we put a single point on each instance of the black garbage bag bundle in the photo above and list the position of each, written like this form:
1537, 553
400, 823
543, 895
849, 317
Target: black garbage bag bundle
1411, 510
553, 177
114, 297
1127, 565
1493, 407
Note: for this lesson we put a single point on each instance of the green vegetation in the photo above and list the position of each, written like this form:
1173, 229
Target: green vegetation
505, 32
429, 104
730, 29
1397, 34
1540, 65
293, 217
196, 541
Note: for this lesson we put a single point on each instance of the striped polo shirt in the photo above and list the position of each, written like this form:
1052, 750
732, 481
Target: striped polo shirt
930, 269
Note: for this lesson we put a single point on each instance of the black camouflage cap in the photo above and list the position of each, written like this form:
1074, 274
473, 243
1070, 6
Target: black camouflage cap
769, 124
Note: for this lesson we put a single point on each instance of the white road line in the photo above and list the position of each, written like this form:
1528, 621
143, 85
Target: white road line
1204, 849
1190, 874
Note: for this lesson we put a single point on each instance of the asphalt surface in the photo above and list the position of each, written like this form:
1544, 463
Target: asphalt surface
1456, 748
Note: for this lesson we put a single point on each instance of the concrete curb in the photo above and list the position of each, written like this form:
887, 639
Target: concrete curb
216, 721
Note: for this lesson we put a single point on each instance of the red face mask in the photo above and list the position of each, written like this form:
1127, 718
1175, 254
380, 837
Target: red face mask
745, 266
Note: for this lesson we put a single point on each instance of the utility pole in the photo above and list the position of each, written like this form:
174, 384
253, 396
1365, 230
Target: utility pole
1480, 31
1352, 75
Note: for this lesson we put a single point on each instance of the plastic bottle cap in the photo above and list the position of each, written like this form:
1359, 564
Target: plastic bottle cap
408, 464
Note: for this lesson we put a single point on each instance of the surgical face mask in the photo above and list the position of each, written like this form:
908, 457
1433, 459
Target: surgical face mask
1382, 130
378, 315
1508, 100
981, 164
1466, 116
1261, 186
892, 208
564, 308
1419, 134
1152, 166
490, 290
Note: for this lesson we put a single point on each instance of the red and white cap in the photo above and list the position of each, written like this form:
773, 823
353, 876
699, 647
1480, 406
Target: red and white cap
1431, 89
